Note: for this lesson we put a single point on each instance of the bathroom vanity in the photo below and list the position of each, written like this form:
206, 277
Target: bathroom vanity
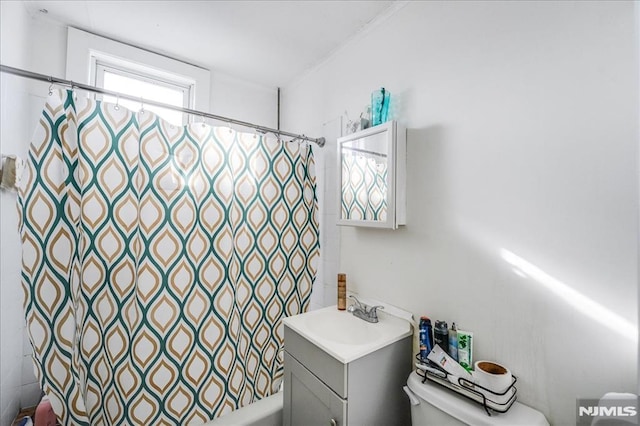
340, 370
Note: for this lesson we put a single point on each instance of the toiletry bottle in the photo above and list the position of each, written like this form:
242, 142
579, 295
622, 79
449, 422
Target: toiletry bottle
453, 342
441, 335
380, 106
342, 292
465, 349
426, 340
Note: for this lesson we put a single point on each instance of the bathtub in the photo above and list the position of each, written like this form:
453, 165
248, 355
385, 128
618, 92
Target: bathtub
266, 412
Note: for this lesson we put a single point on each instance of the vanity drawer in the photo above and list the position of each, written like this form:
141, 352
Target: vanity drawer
329, 370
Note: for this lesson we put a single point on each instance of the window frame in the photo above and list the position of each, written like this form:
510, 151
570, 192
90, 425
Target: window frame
86, 52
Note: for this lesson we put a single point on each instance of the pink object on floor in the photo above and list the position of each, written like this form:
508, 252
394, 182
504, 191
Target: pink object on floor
44, 414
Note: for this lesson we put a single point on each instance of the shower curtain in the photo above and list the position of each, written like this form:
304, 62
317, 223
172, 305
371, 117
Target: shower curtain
158, 261
364, 187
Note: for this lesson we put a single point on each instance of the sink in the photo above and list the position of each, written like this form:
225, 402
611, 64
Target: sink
345, 336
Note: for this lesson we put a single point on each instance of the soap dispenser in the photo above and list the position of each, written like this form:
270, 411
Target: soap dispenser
342, 292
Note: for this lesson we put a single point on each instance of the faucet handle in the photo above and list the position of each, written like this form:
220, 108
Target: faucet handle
357, 302
373, 311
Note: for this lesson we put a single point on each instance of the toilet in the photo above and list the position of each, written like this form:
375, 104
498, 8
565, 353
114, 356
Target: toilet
432, 404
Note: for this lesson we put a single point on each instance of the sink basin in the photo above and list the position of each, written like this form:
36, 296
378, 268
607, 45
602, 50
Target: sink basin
345, 336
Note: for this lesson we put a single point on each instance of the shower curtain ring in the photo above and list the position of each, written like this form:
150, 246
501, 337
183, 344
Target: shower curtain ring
260, 131
141, 105
117, 107
74, 94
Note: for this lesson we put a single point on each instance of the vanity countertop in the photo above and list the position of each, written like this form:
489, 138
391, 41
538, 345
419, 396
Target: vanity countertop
346, 337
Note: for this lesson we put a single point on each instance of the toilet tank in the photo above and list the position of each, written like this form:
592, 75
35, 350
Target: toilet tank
432, 404
425, 414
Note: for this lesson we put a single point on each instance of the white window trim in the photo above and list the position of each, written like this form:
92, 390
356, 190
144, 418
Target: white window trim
98, 68
85, 51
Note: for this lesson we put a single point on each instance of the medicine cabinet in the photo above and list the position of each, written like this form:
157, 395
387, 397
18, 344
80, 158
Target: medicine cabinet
372, 176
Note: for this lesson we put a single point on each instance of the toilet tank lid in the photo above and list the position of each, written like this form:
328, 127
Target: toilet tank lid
470, 412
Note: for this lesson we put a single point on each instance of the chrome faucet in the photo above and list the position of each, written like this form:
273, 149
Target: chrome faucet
365, 312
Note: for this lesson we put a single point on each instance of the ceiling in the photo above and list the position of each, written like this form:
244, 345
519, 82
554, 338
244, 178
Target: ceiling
265, 42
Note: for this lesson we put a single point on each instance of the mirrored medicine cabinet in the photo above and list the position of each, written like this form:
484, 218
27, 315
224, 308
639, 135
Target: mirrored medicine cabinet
372, 176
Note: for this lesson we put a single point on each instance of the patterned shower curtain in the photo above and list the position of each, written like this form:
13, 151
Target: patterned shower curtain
364, 187
158, 262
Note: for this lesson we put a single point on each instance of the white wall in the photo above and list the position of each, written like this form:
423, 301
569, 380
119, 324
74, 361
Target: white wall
39, 44
637, 14
523, 137
10, 295
242, 100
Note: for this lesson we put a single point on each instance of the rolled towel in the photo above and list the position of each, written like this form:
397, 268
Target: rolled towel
26, 421
44, 413
8, 180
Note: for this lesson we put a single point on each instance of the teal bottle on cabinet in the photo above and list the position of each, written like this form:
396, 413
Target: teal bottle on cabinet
380, 106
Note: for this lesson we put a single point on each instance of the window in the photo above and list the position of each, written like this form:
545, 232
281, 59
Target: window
127, 69
143, 83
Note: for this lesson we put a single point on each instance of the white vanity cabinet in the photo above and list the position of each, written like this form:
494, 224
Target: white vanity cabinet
321, 389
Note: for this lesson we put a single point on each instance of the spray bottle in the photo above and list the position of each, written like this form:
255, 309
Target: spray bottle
441, 335
453, 341
426, 338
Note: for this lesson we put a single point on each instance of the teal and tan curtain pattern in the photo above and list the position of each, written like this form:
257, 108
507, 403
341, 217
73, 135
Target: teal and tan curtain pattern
158, 261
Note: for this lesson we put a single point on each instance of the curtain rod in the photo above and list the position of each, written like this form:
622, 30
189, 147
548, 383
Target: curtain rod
72, 85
